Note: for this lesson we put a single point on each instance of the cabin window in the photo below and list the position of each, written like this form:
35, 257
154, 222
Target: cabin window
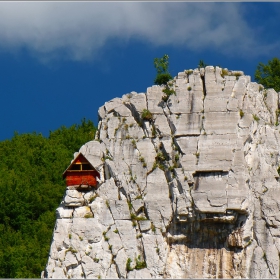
81, 166
76, 167
86, 166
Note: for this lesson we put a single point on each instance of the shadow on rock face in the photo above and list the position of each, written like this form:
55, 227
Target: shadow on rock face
206, 248
210, 231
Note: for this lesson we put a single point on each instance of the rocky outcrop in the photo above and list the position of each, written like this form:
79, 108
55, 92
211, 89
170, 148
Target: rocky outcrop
189, 191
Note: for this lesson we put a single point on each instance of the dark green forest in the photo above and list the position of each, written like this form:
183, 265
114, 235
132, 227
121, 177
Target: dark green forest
31, 188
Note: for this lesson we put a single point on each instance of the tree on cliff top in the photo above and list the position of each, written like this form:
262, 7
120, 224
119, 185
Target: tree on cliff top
269, 74
161, 65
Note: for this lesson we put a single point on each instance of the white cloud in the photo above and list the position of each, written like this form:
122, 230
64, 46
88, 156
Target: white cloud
80, 29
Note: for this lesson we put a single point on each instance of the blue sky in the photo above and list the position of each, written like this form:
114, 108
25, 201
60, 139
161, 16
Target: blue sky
61, 61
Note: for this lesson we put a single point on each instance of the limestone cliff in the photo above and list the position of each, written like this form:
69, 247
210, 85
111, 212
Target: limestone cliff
190, 191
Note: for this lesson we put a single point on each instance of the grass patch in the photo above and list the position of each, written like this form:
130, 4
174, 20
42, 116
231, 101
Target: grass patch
128, 265
108, 203
134, 144
188, 72
154, 131
129, 205
165, 98
237, 75
139, 197
147, 115
153, 228
73, 251
169, 91
136, 218
93, 198
140, 264
88, 215
105, 237
160, 157
224, 72
265, 93
256, 118
277, 112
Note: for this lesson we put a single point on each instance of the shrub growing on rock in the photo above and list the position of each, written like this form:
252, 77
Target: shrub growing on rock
147, 115
161, 65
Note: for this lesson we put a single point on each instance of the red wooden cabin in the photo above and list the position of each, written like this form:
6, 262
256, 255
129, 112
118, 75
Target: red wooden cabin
81, 172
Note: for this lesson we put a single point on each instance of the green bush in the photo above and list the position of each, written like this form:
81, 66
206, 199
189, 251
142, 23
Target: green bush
153, 228
93, 198
161, 65
134, 144
128, 265
169, 91
88, 215
140, 264
162, 79
154, 131
237, 75
129, 205
256, 118
163, 76
160, 157
136, 218
224, 72
147, 115
188, 72
165, 98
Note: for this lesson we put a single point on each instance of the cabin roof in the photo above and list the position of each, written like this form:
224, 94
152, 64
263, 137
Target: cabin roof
80, 156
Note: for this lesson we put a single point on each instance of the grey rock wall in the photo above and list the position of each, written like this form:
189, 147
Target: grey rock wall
191, 193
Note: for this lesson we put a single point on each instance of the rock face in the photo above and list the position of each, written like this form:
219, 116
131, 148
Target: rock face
192, 192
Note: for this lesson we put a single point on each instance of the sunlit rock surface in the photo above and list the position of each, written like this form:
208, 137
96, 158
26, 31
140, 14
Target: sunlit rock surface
191, 193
